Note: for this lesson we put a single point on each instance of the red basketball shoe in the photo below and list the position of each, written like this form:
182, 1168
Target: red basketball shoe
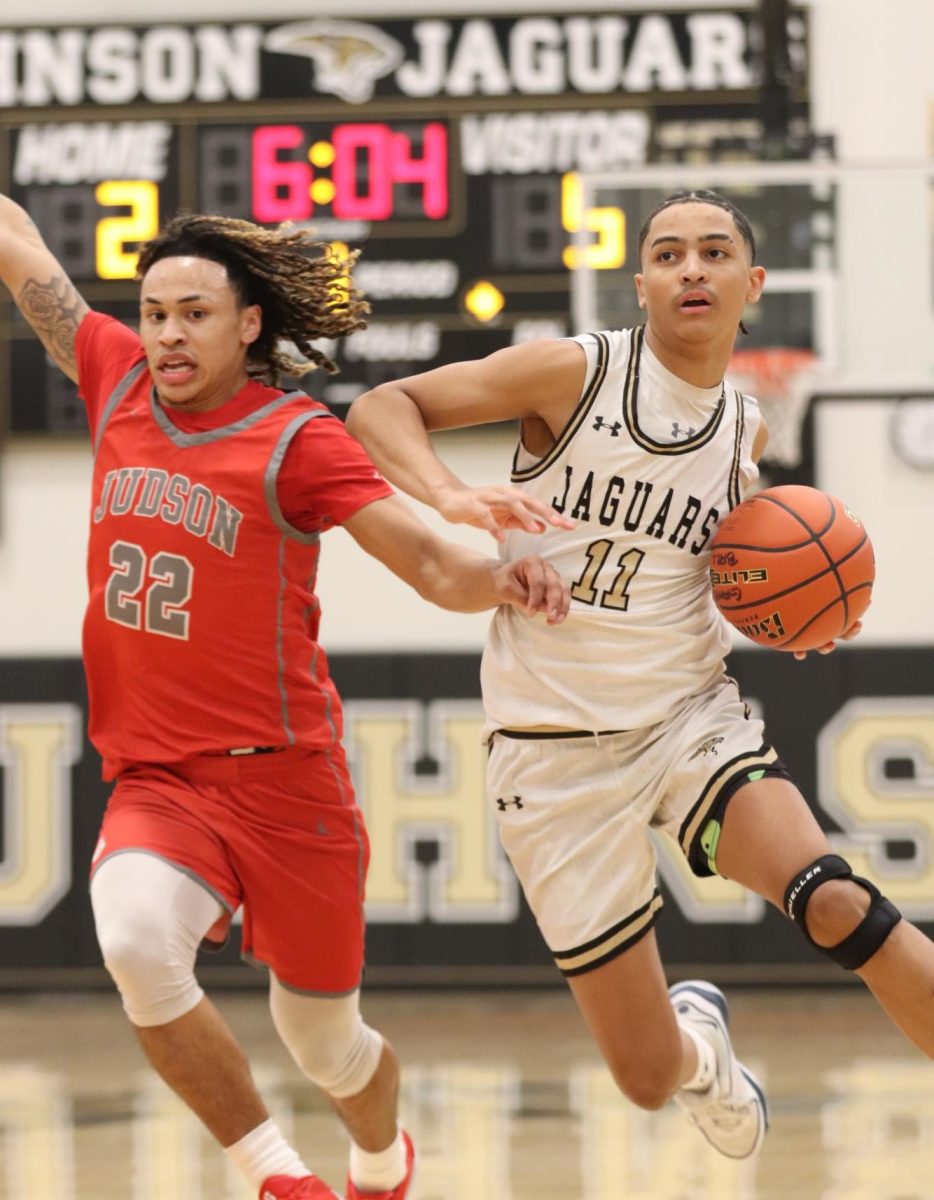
397, 1193
287, 1187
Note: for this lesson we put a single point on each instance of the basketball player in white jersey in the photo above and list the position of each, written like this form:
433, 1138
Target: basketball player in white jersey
632, 448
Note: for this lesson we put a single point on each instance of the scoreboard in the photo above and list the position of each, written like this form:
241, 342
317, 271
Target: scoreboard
449, 150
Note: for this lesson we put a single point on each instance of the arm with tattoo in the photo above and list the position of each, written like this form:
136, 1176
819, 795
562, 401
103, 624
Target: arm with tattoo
54, 310
42, 291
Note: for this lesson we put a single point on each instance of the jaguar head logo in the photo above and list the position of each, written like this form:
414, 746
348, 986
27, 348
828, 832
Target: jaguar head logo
348, 56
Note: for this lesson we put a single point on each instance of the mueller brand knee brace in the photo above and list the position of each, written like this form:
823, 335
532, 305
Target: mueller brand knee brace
879, 921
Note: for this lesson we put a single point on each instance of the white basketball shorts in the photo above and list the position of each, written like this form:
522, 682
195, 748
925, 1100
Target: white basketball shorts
575, 810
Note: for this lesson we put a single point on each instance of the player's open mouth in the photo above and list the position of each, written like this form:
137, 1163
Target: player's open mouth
693, 302
175, 368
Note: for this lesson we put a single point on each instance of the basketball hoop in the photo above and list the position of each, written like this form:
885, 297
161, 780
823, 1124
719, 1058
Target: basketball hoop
778, 377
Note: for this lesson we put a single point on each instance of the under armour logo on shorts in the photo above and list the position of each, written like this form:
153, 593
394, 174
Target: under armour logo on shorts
502, 804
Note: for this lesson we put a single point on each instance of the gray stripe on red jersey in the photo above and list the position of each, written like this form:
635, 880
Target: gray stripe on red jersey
180, 438
280, 657
271, 477
114, 399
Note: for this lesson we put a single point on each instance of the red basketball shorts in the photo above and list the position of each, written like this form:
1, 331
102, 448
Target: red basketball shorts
279, 834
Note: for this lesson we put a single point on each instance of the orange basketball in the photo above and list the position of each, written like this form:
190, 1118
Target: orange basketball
792, 568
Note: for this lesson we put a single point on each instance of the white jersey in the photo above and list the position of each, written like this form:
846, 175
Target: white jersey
647, 466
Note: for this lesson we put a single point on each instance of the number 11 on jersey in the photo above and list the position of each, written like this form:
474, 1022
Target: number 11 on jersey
586, 588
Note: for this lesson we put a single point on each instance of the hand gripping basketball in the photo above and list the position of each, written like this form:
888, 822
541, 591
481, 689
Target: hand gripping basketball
792, 568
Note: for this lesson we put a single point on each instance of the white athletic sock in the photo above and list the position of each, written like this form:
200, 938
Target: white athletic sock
379, 1172
706, 1071
264, 1152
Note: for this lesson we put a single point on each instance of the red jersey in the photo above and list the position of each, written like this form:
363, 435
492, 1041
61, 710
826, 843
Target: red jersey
202, 622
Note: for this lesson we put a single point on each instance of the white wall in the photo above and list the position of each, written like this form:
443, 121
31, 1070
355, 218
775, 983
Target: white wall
874, 86
871, 85
873, 68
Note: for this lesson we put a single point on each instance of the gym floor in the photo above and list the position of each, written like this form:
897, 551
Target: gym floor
503, 1092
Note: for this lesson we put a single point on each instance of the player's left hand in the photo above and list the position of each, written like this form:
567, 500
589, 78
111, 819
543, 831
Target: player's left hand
829, 647
496, 508
533, 586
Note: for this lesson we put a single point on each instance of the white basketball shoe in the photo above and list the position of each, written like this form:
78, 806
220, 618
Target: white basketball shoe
732, 1113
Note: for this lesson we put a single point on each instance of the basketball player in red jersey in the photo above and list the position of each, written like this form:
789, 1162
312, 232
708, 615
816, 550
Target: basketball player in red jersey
210, 698
626, 720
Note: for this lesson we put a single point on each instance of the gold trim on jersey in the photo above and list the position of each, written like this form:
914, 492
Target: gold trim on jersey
733, 491
731, 774
576, 419
631, 409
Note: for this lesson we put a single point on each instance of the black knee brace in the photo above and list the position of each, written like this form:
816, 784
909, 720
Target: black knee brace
869, 934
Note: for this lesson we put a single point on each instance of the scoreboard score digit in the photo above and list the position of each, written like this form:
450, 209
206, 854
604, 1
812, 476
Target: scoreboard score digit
117, 238
94, 230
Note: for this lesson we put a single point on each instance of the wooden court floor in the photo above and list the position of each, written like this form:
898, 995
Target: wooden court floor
503, 1093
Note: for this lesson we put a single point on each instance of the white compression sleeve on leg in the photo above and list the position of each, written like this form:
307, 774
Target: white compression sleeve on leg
327, 1038
150, 919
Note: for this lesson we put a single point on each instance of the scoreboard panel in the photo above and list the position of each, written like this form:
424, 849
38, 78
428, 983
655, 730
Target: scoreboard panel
449, 150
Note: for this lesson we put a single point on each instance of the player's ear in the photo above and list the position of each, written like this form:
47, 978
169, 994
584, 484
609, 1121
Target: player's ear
640, 290
251, 324
756, 284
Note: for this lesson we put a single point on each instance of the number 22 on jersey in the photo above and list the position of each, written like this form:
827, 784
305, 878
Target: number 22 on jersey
149, 595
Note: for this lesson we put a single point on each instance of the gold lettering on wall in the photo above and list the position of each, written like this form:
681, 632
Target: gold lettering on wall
468, 877
875, 769
38, 745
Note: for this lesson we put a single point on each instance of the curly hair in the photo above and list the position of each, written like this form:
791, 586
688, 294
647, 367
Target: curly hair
303, 287
702, 196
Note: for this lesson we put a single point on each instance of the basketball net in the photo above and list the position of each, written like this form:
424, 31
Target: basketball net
779, 378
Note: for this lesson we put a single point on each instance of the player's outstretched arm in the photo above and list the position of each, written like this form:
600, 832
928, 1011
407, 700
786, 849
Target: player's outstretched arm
453, 576
38, 284
541, 380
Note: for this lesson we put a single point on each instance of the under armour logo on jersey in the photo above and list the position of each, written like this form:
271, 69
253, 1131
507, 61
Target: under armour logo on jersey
677, 431
502, 804
708, 747
614, 429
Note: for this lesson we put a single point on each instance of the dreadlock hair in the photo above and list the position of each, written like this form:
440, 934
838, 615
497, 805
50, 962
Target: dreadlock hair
701, 196
302, 286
